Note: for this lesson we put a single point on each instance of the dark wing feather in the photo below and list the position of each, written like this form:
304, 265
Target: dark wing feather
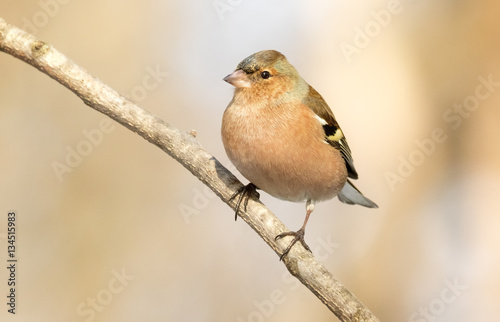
333, 134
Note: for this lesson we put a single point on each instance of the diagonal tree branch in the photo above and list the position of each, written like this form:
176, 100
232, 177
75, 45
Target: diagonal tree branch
186, 150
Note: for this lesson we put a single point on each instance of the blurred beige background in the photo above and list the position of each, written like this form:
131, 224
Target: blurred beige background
127, 234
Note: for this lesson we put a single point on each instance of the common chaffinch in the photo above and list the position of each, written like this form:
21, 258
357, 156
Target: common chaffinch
281, 135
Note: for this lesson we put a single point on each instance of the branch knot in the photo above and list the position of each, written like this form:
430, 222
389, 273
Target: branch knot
39, 48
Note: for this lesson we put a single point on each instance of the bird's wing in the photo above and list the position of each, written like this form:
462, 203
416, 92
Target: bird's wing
333, 134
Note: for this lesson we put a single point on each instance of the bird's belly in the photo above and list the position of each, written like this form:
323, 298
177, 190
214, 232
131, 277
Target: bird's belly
285, 161
294, 176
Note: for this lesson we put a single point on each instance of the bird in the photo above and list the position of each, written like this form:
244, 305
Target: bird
280, 134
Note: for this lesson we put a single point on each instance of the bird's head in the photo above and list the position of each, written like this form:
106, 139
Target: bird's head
266, 75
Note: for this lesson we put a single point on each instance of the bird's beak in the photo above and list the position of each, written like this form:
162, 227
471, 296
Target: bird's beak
238, 79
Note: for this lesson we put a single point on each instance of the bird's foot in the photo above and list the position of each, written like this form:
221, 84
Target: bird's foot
298, 236
245, 192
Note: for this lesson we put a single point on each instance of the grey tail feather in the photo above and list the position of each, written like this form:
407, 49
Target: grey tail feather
351, 195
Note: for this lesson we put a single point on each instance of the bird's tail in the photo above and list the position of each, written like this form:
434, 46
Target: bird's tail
351, 195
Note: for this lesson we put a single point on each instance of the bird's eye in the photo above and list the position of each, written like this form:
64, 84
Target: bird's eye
265, 74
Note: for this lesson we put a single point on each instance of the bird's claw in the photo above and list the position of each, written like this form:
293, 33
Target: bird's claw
298, 236
244, 192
